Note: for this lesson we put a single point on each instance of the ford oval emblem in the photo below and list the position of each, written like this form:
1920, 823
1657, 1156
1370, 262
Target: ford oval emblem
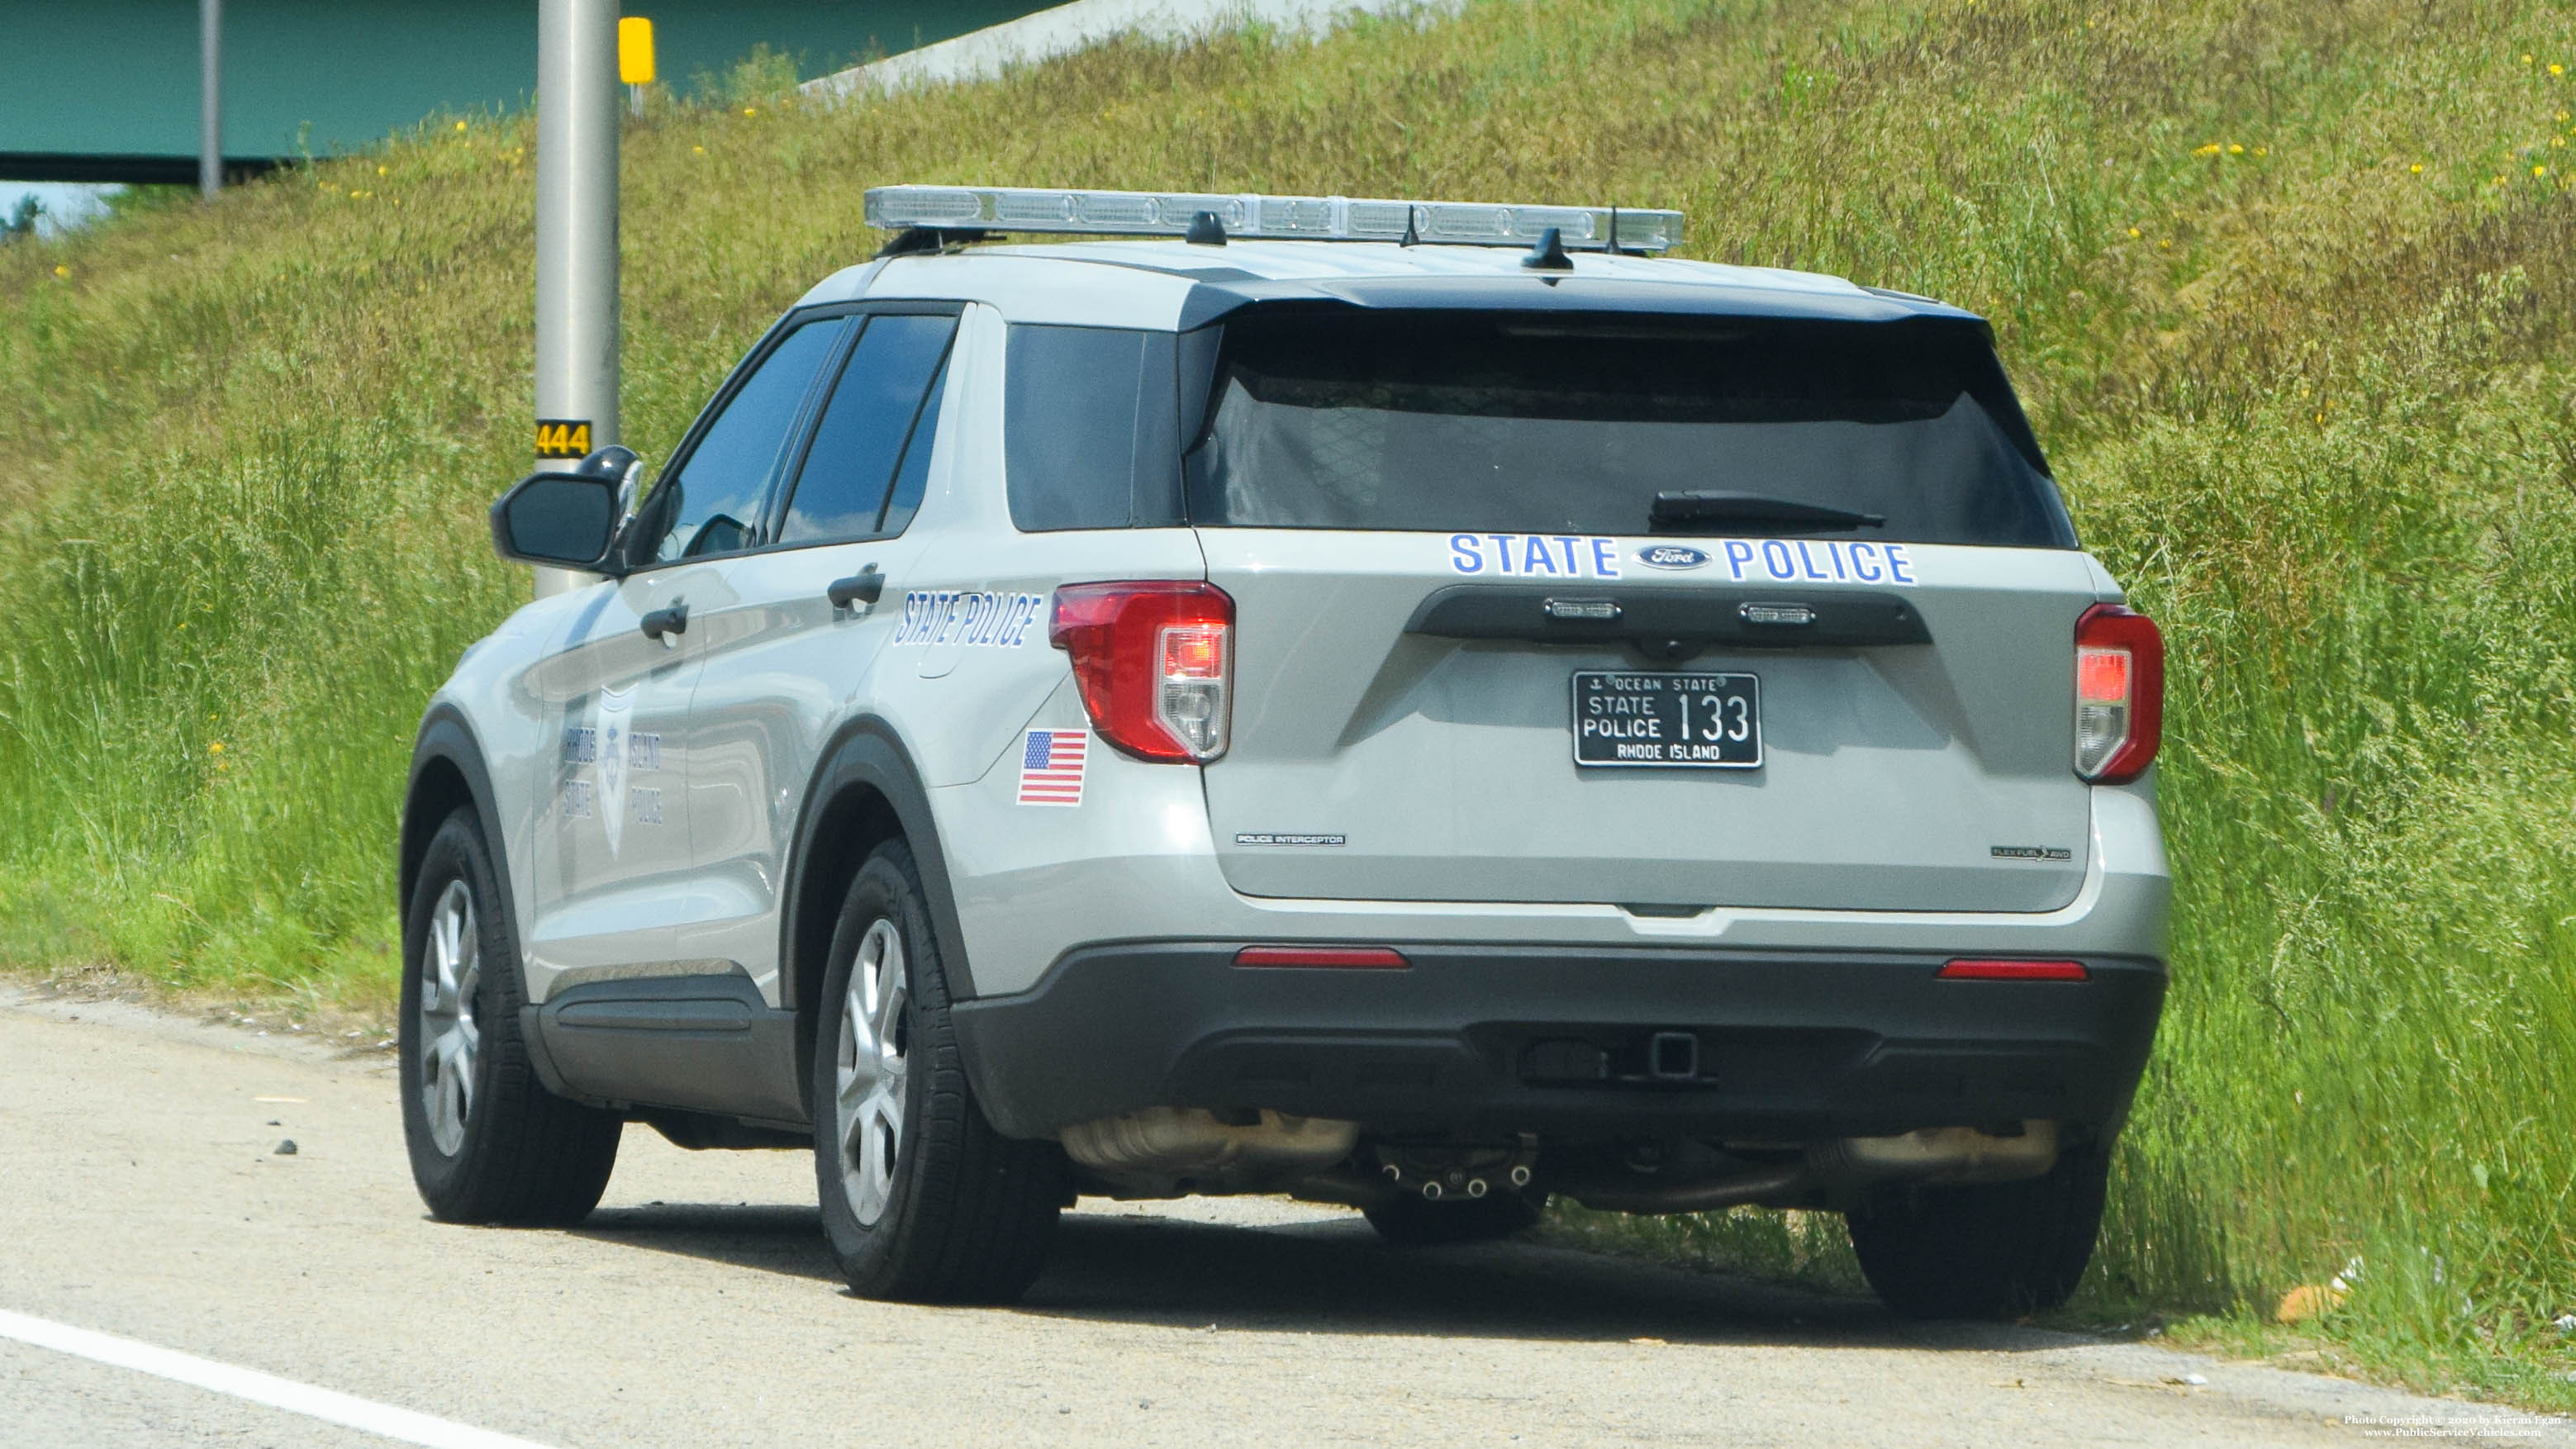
1671, 556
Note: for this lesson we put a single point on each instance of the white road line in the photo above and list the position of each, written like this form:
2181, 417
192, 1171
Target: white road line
382, 1420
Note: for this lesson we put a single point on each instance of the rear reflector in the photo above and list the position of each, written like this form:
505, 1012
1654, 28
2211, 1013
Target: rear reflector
1362, 958
2015, 971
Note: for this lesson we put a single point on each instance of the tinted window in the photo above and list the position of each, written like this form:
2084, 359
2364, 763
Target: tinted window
841, 491
720, 487
914, 476
1554, 425
1090, 433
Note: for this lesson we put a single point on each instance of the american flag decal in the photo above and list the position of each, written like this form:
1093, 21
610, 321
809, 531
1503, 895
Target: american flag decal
1051, 767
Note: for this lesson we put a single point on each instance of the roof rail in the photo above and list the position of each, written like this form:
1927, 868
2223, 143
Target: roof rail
956, 210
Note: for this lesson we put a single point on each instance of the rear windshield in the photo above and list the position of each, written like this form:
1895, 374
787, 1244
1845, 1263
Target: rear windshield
1498, 423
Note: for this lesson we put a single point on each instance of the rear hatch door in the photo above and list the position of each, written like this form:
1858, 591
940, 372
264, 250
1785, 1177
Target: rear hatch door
1477, 659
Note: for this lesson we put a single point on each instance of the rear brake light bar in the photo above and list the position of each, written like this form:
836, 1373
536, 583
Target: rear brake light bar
2014, 970
1362, 958
1154, 661
2119, 693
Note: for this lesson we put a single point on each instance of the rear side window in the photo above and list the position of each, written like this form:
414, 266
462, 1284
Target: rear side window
1090, 428
841, 491
1549, 424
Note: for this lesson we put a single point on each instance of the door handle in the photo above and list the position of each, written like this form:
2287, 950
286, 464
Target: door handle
866, 587
673, 620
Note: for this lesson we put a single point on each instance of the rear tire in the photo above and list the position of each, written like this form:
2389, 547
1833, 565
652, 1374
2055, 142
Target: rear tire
1415, 1222
921, 1198
488, 1142
1993, 1250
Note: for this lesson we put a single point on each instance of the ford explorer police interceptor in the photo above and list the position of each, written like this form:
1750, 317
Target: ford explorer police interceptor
1419, 705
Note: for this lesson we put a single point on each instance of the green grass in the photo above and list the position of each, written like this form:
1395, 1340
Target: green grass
2316, 405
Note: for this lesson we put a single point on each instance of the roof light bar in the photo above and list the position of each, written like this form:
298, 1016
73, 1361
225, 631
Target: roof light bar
1275, 218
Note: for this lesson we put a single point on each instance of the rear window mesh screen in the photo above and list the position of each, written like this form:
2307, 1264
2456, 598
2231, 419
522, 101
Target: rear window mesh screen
1443, 422
1091, 432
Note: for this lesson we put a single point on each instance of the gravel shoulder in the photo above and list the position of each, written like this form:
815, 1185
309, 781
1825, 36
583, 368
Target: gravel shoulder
144, 1196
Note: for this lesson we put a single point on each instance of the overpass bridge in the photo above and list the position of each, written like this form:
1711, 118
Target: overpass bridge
106, 90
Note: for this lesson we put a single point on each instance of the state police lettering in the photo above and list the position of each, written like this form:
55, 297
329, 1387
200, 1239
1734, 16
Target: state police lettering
1779, 560
976, 620
1541, 555
1817, 561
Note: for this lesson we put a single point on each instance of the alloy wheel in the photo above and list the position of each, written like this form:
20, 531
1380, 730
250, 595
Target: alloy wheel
871, 1074
451, 975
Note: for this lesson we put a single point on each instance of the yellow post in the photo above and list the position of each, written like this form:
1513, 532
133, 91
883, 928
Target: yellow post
635, 58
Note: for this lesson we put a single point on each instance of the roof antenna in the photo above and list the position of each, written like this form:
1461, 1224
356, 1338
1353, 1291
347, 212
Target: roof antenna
1411, 238
1549, 254
1205, 230
1617, 250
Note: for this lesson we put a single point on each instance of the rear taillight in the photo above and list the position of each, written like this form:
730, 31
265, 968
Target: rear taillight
1154, 662
2119, 693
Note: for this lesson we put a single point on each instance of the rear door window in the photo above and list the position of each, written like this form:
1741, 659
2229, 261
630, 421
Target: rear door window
1555, 425
878, 403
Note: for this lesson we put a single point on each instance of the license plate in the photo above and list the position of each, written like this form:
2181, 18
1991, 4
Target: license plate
1671, 721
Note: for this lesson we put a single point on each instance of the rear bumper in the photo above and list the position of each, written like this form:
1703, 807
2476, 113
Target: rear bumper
1489, 1040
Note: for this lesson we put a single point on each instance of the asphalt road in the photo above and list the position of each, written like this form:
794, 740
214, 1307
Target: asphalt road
141, 1197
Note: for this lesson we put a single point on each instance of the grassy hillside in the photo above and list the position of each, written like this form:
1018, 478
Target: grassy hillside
2287, 287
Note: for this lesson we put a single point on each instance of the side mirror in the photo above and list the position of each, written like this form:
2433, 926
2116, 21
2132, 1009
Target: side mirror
564, 520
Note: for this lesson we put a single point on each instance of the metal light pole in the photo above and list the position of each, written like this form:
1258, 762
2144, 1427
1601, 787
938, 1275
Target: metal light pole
576, 237
210, 98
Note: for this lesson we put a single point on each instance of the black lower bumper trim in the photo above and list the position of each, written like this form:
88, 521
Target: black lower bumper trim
1565, 1041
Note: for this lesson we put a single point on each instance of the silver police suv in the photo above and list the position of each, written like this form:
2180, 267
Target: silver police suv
1412, 704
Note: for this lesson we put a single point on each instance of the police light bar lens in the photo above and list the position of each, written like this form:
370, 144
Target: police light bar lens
2119, 693
1357, 958
1252, 215
2012, 970
1154, 663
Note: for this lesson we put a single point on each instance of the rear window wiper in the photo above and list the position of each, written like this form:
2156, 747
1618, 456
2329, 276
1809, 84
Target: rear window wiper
1695, 512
